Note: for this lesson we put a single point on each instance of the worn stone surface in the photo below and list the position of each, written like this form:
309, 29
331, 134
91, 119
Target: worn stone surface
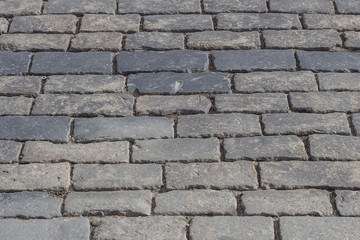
356, 123
3, 25
180, 22
15, 105
352, 39
323, 21
239, 175
195, 202
265, 148
14, 62
80, 6
348, 6
17, 85
20, 7
107, 41
214, 6
9, 151
348, 202
159, 6
180, 149
154, 41
303, 6
339, 81
110, 23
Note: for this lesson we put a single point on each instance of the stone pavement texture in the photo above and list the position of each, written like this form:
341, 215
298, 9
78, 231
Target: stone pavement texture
179, 119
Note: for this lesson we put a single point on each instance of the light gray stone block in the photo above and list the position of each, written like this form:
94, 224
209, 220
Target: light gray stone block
15, 105
159, 6
348, 202
9, 151
179, 23
110, 23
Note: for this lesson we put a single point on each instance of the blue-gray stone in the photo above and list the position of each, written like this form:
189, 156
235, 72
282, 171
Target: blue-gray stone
14, 62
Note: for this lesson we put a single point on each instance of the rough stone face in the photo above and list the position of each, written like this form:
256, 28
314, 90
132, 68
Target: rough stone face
114, 177
287, 202
180, 149
218, 125
275, 82
184, 23
195, 202
3, 25
248, 60
16, 85
15, 105
239, 175
339, 81
20, 7
305, 123
33, 177
214, 6
139, 228
348, 202
105, 23
340, 22
14, 62
352, 39
166, 105
223, 40
9, 151
108, 203
173, 83
348, 6
265, 148
356, 123
102, 129
80, 6
299, 174
102, 41
304, 6
35, 128
159, 6
154, 41
29, 204
253, 21
232, 227
104, 152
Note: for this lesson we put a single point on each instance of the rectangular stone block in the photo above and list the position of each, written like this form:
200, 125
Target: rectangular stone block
12, 63
154, 41
110, 23
9, 151
339, 22
100, 41
159, 6
20, 85
179, 23
20, 7
80, 6
352, 40
3, 25
215, 6
339, 81
348, 6
356, 123
348, 202
15, 105
304, 6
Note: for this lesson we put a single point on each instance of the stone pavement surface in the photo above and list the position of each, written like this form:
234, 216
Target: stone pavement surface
179, 119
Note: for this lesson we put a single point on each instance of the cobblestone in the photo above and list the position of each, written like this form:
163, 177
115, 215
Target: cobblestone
324, 21
20, 7
14, 62
9, 151
110, 23
15, 105
108, 41
347, 6
159, 6
214, 6
80, 6
178, 23
352, 39
356, 123
3, 25
304, 6
339, 81
348, 202
20, 85
154, 41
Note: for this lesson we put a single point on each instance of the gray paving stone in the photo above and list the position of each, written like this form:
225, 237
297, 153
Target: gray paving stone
119, 176
154, 41
239, 175
3, 25
286, 202
253, 21
218, 125
348, 6
159, 6
152, 61
29, 205
85, 84
252, 103
180, 149
80, 6
20, 85
275, 82
66, 62
305, 123
304, 6
302, 39
9, 151
166, 105
332, 228
15, 105
300, 174
110, 23
180, 23
102, 129
44, 24
356, 123
33, 177
250, 60
210, 40
102, 41
104, 152
352, 40
339, 81
108, 203
334, 147
139, 228
195, 202
36, 128
265, 148
14, 62
214, 6
173, 83
348, 202
231, 227
340, 22
20, 7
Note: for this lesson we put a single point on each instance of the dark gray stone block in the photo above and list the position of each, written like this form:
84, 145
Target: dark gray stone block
215, 6
348, 6
14, 62
80, 6
9, 151
159, 6
303, 6
20, 7
20, 85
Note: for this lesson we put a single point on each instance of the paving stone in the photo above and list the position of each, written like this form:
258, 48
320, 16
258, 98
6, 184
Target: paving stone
275, 82
304, 6
180, 22
108, 203
152, 61
105, 41
218, 125
102, 129
210, 40
252, 103
85, 84
154, 41
14, 62
340, 22
166, 105
214, 6
44, 24
334, 147
122, 23
139, 228
119, 176
332, 228
15, 105
80, 6
9, 151
339, 81
232, 227
348, 6
29, 205
239, 175
20, 7
180, 149
305, 123
265, 148
104, 152
352, 40
300, 174
33, 177
159, 6
286, 202
16, 85
356, 123
249, 60
66, 62
195, 202
3, 25
37, 128
173, 83
348, 202
253, 21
